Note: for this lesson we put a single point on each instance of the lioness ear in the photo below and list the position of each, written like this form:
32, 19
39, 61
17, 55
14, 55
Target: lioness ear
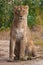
27, 7
15, 7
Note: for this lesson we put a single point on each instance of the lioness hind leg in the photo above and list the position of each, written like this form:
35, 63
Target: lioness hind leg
30, 52
34, 51
32, 48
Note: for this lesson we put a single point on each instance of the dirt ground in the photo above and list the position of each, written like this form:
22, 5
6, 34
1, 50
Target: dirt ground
4, 55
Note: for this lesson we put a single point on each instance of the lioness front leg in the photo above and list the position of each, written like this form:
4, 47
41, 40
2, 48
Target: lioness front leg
22, 50
12, 47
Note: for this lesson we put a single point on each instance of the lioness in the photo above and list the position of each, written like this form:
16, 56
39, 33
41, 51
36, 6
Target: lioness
21, 43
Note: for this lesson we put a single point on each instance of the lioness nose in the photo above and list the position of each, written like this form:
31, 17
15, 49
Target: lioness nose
21, 16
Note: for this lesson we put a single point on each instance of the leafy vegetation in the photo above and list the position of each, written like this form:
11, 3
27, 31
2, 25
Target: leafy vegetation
35, 16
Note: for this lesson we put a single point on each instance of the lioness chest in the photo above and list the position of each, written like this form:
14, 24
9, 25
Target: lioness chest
19, 33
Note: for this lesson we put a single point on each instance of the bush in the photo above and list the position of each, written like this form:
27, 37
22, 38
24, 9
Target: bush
6, 12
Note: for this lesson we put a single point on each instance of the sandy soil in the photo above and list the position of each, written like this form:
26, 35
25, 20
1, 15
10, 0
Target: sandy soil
4, 55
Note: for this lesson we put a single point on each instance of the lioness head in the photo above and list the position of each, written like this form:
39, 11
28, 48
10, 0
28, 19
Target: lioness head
21, 11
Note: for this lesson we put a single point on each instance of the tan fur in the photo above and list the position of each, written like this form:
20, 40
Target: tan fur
20, 36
